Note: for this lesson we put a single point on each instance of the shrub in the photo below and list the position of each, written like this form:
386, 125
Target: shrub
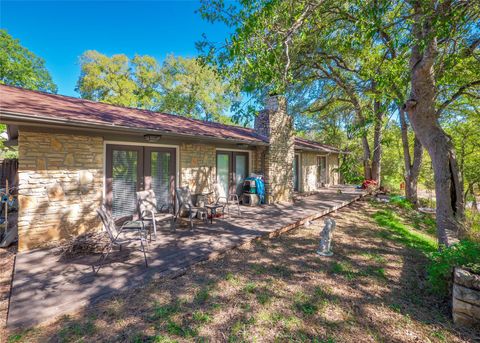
465, 254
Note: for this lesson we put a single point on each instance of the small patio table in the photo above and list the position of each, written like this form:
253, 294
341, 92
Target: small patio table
213, 210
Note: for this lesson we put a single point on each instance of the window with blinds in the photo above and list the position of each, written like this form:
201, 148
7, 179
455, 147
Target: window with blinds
160, 176
124, 182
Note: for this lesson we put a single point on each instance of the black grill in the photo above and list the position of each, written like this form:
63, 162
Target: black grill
250, 187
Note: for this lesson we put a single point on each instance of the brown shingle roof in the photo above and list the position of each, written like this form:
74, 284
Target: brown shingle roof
39, 105
66, 110
301, 143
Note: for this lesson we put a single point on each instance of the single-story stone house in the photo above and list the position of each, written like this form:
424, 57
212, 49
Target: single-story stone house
75, 154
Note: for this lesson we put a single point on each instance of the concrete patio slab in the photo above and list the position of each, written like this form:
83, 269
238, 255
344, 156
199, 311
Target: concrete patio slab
45, 286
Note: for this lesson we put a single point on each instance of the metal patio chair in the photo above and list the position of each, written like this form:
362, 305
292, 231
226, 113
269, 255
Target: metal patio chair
149, 212
114, 232
226, 200
184, 198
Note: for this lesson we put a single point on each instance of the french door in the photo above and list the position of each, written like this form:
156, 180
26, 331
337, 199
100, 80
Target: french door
130, 169
232, 169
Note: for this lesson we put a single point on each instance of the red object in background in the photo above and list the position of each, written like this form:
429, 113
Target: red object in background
402, 185
369, 184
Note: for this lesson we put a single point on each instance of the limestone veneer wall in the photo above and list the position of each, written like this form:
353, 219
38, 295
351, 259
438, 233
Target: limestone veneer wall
308, 162
60, 186
334, 175
275, 123
197, 167
309, 170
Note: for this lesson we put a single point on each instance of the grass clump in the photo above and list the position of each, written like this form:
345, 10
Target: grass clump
73, 331
201, 317
202, 295
375, 257
264, 296
176, 329
250, 287
343, 268
164, 312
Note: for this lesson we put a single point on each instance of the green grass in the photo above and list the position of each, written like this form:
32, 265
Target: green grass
399, 232
343, 268
264, 296
258, 269
376, 272
375, 257
240, 328
173, 328
164, 312
201, 317
250, 287
74, 330
202, 295
15, 338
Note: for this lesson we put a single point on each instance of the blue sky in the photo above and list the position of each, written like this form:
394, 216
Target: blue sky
60, 31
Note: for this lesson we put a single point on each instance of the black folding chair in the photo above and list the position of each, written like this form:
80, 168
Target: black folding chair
114, 232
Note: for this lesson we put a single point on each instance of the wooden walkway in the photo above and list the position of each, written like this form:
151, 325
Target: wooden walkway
45, 286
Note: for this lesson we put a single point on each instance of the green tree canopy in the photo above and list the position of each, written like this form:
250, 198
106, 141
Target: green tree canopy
184, 86
22, 68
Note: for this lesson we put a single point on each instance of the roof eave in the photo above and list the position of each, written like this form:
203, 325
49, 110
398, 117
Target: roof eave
22, 118
319, 150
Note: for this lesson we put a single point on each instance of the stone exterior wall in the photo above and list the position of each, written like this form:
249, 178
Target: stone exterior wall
275, 123
332, 165
309, 171
197, 167
258, 155
60, 187
308, 177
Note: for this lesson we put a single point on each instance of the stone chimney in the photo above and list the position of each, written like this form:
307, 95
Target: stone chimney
277, 163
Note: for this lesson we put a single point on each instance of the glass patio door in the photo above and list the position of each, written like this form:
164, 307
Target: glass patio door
159, 174
223, 173
296, 178
130, 169
232, 169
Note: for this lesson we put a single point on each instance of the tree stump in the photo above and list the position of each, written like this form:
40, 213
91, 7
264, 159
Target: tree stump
324, 248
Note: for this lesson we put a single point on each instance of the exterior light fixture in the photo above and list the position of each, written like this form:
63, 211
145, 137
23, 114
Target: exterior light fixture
152, 138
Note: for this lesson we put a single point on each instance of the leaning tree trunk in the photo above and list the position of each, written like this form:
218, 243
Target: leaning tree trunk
424, 119
412, 170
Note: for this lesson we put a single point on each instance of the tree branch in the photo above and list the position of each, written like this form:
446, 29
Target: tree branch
462, 90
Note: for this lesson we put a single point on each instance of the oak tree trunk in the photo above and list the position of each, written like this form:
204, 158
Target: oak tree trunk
377, 140
424, 119
367, 169
412, 170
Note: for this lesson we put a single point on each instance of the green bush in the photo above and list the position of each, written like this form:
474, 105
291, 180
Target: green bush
464, 254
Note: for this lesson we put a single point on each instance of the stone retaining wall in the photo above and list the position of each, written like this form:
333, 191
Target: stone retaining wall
466, 298
60, 186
